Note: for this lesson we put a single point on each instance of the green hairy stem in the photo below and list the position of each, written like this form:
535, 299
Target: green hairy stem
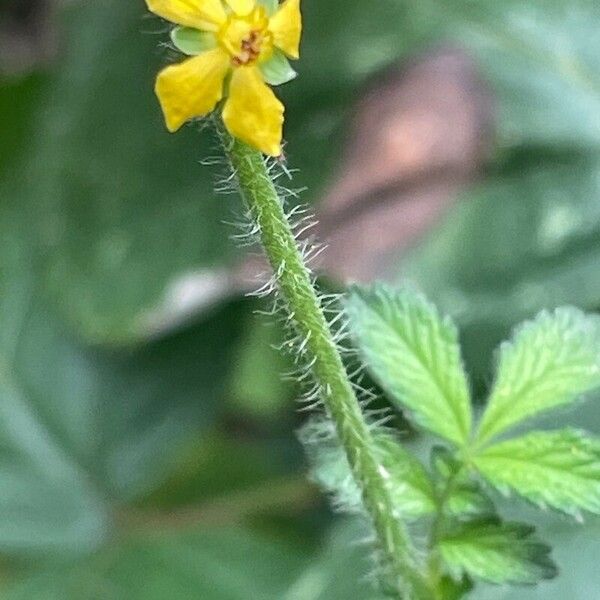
296, 287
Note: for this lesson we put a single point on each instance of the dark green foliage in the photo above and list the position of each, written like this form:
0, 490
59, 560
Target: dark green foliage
497, 552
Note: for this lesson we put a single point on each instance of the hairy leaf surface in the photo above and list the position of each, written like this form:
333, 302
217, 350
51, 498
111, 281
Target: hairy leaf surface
414, 354
550, 362
497, 552
560, 469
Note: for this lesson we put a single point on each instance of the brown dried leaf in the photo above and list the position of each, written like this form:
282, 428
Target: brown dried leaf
419, 135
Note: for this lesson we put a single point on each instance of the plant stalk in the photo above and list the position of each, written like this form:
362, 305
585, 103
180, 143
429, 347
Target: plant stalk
296, 287
437, 529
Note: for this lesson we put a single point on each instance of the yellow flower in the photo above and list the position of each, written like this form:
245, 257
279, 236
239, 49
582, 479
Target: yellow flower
236, 48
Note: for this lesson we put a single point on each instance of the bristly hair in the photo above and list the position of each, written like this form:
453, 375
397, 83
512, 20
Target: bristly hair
329, 465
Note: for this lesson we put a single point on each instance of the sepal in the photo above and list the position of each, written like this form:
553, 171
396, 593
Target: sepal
193, 41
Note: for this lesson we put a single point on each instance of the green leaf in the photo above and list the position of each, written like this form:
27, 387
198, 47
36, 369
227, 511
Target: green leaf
192, 41
208, 563
575, 550
227, 563
81, 429
414, 354
559, 469
224, 564
277, 70
497, 552
78, 431
547, 92
550, 362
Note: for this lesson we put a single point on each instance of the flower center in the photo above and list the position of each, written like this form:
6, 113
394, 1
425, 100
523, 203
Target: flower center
250, 49
246, 39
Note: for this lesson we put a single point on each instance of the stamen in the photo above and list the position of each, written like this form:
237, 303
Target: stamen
250, 49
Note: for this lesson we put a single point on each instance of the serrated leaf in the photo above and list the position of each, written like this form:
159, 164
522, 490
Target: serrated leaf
408, 482
550, 362
560, 469
497, 552
575, 550
414, 354
192, 41
277, 70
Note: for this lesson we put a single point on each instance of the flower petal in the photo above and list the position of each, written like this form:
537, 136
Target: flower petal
208, 15
252, 112
286, 26
241, 7
192, 88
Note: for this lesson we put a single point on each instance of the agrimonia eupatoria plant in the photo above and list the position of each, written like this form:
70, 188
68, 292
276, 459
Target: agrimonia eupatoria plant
549, 363
435, 530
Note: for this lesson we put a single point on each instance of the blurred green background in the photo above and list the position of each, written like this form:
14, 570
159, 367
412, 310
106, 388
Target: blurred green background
147, 439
